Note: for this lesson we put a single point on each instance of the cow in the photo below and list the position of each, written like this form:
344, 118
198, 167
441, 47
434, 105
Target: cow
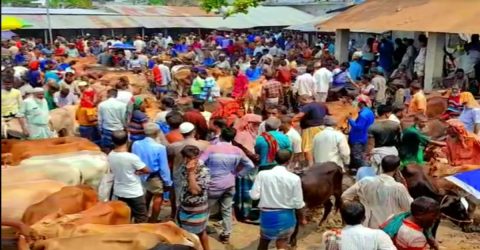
70, 200
17, 197
181, 78
319, 183
58, 224
37, 172
169, 231
451, 206
436, 106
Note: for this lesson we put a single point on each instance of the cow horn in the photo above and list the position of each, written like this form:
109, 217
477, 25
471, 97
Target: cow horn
22, 228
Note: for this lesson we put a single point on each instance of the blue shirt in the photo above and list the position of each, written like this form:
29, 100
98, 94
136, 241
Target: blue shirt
51, 75
33, 77
20, 59
253, 74
470, 117
154, 155
261, 146
208, 61
359, 127
355, 70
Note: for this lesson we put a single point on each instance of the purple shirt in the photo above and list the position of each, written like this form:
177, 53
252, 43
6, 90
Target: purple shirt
222, 160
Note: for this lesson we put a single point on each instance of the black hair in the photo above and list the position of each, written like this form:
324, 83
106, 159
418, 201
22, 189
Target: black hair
384, 109
220, 122
390, 163
424, 205
353, 213
345, 64
190, 151
174, 119
460, 70
119, 137
283, 156
7, 76
112, 93
168, 102
198, 104
228, 134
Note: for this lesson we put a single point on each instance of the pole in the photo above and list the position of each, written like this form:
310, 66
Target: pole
49, 22
113, 34
45, 33
143, 33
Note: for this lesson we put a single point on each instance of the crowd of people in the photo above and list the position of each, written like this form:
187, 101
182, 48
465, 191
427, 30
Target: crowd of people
209, 163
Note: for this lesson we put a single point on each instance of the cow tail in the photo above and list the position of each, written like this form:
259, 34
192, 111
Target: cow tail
337, 187
22, 228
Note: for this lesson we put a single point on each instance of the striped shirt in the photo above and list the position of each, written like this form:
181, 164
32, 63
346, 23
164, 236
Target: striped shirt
222, 159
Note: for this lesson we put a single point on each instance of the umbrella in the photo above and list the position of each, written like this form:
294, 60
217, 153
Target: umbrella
122, 46
7, 35
13, 23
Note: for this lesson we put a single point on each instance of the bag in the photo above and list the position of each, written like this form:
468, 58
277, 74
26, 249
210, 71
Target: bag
106, 187
226, 109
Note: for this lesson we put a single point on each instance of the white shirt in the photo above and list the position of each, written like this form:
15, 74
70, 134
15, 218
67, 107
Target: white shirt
304, 85
359, 237
166, 75
112, 114
382, 196
296, 140
394, 118
278, 188
126, 183
331, 145
323, 77
380, 85
139, 45
124, 96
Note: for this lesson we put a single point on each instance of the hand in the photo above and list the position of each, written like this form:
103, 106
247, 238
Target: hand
433, 244
191, 165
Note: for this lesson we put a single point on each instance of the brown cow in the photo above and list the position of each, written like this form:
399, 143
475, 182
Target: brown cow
436, 106
70, 200
59, 225
319, 183
169, 231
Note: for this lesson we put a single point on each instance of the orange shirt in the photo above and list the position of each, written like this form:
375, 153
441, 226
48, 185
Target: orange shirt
86, 116
418, 103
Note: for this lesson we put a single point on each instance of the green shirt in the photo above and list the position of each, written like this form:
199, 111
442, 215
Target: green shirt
51, 103
197, 86
413, 146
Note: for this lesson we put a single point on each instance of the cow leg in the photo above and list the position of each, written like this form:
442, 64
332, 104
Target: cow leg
263, 245
435, 228
327, 208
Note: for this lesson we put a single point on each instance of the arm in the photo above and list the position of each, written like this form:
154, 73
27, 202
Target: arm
256, 188
297, 196
384, 241
476, 122
357, 124
351, 193
139, 166
193, 186
344, 150
404, 198
165, 173
246, 163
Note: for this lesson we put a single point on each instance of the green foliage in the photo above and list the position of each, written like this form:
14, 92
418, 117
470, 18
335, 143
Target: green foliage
19, 3
70, 3
237, 6
156, 2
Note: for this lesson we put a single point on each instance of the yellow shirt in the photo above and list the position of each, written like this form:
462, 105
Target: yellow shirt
418, 103
11, 101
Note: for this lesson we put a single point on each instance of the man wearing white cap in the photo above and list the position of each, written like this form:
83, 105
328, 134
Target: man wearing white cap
187, 129
34, 116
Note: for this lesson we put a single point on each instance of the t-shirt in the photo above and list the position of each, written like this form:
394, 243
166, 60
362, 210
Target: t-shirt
314, 114
295, 139
197, 86
126, 183
386, 133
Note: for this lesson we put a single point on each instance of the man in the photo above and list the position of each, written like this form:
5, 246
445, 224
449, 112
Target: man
414, 142
305, 83
270, 111
331, 145
198, 84
11, 98
295, 138
280, 194
355, 69
272, 90
381, 195
34, 116
105, 58
355, 236
253, 73
217, 124
311, 120
222, 160
413, 230
86, 113
195, 117
174, 120
127, 168
139, 44
358, 135
64, 97
69, 82
419, 63
112, 116
165, 72
50, 91
175, 157
383, 136
154, 155
380, 84
222, 63
240, 84
470, 115
269, 142
323, 78
418, 104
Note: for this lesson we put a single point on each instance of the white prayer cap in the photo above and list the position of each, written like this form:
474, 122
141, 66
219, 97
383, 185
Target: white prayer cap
37, 90
186, 127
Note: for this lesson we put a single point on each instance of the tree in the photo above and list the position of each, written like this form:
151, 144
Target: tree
19, 3
227, 7
70, 3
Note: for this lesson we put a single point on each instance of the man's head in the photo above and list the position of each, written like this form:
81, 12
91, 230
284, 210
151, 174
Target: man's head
7, 80
119, 138
272, 124
398, 110
174, 119
253, 64
286, 123
459, 73
344, 66
390, 163
421, 120
283, 156
217, 124
330, 121
236, 70
384, 110
305, 99
353, 213
167, 103
425, 211
64, 91
198, 104
38, 93
151, 130
112, 93
228, 134
187, 129
190, 153
317, 65
272, 111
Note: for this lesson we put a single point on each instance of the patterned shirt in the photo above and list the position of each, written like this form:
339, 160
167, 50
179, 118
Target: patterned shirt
188, 199
222, 159
272, 89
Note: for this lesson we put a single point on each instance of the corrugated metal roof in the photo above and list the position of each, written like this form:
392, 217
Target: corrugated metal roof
79, 22
37, 11
139, 10
310, 26
460, 16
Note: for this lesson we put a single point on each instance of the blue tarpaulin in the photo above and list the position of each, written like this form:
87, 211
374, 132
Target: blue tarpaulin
469, 181
7, 34
122, 46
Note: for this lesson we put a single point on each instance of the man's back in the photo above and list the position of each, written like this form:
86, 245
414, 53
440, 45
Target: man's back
386, 133
331, 145
359, 237
381, 87
112, 114
124, 165
323, 78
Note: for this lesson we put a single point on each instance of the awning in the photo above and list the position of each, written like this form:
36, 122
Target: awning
310, 26
459, 16
79, 22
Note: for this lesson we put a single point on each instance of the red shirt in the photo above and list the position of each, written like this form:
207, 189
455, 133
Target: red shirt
240, 85
157, 75
196, 118
59, 51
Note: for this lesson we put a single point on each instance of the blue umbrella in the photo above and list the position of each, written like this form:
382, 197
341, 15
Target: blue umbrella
7, 34
122, 46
